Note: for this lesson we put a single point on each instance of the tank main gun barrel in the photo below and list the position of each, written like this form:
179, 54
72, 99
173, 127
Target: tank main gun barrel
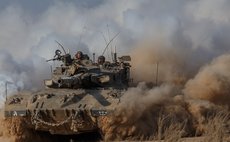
78, 81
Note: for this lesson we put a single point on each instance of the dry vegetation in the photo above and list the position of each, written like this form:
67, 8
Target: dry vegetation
171, 123
215, 128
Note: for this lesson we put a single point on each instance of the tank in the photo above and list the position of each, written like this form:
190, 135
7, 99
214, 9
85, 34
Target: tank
77, 95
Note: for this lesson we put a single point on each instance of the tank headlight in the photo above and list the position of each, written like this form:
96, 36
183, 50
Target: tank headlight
104, 79
48, 82
97, 112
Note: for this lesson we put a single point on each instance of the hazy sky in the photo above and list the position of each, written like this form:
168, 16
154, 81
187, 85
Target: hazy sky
83, 23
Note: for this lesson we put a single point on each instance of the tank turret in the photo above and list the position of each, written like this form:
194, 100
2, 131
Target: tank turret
85, 74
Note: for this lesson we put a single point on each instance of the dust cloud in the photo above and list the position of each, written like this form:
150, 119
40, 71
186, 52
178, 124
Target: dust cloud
151, 60
212, 82
187, 36
158, 113
15, 130
179, 103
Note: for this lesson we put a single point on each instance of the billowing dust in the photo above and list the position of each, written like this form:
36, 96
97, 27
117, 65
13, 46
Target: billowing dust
167, 64
178, 106
182, 104
212, 83
147, 114
14, 130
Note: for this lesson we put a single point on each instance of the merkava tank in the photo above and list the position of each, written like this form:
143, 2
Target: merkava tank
79, 92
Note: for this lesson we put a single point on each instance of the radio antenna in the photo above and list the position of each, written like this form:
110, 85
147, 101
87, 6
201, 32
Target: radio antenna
157, 71
104, 38
109, 43
61, 47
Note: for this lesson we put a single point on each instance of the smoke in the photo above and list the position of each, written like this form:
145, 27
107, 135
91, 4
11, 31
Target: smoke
159, 113
14, 130
212, 82
178, 104
28, 31
179, 36
135, 114
151, 61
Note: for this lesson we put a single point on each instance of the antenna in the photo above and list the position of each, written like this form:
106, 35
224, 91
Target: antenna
51, 69
6, 84
93, 57
109, 43
157, 67
115, 55
108, 30
104, 38
61, 47
6, 89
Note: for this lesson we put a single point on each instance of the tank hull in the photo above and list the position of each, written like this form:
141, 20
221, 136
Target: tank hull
63, 111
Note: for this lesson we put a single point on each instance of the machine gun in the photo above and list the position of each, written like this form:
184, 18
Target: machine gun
66, 58
57, 56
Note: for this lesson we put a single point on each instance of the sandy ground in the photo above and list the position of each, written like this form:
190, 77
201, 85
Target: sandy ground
6, 140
